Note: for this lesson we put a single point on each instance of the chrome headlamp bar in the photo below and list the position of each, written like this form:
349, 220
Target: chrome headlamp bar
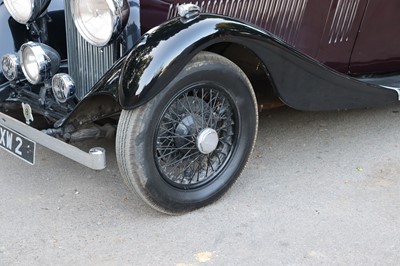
39, 62
24, 11
100, 22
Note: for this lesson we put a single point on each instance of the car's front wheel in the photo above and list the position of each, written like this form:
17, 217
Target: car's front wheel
188, 145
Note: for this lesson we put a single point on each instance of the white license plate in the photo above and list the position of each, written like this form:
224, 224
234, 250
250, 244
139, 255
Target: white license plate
17, 144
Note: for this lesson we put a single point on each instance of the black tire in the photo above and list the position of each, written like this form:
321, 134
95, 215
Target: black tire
187, 146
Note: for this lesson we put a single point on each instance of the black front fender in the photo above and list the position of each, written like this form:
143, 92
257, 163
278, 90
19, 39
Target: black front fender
300, 81
161, 54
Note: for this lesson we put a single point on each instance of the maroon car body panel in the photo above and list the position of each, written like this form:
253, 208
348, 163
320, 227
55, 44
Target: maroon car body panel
378, 44
345, 35
340, 33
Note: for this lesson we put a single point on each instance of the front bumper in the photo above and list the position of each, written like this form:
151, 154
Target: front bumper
94, 159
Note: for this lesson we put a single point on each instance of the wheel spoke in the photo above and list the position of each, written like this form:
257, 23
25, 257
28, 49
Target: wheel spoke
175, 150
196, 126
175, 135
202, 108
177, 154
189, 165
184, 157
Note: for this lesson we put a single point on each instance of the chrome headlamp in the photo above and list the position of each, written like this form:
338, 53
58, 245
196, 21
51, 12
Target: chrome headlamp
39, 62
100, 22
63, 87
24, 11
10, 66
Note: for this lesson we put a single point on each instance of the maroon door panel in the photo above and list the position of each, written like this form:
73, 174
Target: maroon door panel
341, 28
378, 43
312, 27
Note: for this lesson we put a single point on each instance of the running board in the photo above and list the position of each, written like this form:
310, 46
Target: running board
391, 82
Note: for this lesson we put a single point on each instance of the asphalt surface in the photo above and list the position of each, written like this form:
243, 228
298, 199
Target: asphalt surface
320, 188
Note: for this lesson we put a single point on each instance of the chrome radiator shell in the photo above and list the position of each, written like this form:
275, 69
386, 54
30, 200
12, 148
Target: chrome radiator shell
86, 63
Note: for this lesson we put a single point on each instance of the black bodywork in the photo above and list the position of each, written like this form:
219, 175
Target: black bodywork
153, 60
181, 96
298, 80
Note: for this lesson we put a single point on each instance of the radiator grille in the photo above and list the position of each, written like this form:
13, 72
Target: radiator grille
86, 63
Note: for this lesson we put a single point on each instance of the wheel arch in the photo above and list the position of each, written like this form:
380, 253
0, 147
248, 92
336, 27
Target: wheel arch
255, 70
166, 49
135, 79
142, 77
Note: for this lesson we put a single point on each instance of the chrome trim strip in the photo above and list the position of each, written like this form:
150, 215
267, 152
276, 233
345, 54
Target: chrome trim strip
94, 159
394, 89
343, 20
281, 17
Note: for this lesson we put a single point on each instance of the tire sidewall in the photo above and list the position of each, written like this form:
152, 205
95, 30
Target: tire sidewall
238, 89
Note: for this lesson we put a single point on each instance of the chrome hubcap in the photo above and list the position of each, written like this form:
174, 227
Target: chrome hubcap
207, 141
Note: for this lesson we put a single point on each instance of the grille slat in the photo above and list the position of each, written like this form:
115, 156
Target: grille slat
86, 63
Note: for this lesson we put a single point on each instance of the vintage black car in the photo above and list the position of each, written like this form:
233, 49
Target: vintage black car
181, 83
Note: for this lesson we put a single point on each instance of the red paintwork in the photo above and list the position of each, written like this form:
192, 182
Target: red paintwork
153, 13
337, 55
375, 48
378, 43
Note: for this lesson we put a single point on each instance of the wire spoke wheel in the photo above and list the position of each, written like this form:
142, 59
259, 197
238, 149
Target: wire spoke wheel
195, 136
188, 145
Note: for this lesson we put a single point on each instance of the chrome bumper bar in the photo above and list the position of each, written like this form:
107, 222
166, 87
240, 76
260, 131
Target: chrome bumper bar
94, 159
